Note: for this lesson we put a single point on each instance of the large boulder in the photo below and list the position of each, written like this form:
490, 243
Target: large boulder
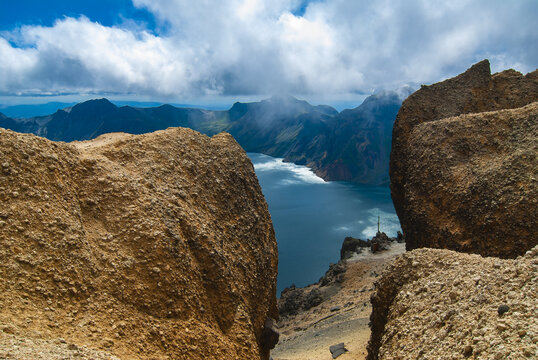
423, 307
151, 246
464, 166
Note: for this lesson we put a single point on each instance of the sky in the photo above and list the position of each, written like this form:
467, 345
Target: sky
184, 51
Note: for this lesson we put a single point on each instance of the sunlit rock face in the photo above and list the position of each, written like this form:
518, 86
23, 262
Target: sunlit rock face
149, 246
463, 163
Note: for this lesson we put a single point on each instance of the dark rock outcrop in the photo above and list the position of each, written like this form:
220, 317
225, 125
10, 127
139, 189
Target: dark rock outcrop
463, 163
379, 242
150, 246
293, 300
423, 307
352, 246
334, 274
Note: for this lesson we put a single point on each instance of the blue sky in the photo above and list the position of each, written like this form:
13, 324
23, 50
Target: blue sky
205, 51
34, 12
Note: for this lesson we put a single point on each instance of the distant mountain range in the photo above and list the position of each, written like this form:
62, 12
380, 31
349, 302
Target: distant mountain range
353, 145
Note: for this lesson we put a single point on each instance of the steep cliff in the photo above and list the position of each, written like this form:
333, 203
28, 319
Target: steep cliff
353, 145
423, 307
463, 164
151, 246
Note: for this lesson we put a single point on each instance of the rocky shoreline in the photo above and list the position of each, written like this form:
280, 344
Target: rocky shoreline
336, 309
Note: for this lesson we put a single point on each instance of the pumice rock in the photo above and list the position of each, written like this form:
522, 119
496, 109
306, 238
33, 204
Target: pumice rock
463, 163
441, 304
151, 246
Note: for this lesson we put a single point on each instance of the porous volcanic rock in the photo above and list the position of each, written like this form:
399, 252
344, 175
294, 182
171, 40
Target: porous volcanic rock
151, 246
423, 307
464, 165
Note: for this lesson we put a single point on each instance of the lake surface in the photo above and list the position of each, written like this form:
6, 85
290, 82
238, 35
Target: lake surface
312, 217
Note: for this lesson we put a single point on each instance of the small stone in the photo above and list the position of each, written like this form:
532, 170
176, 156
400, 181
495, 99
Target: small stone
337, 350
335, 308
8, 330
503, 309
468, 351
108, 343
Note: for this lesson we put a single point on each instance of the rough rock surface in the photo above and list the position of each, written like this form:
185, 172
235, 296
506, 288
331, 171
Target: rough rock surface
469, 182
423, 295
153, 246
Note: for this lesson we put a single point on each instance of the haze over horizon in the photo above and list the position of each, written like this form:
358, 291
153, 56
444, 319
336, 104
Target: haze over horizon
208, 52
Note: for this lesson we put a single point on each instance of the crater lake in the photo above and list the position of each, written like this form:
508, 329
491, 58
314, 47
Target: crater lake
311, 217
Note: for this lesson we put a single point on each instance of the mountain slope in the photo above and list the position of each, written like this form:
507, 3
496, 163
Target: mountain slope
353, 145
357, 145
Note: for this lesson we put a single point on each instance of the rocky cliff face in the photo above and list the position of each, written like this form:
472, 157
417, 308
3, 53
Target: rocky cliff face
424, 308
151, 246
463, 163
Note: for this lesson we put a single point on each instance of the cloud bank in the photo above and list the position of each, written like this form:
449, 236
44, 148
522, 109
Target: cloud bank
262, 47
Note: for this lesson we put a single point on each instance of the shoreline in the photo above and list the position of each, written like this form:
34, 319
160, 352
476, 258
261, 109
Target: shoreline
342, 315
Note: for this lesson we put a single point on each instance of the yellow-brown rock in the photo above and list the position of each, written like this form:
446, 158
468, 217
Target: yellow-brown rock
441, 304
464, 165
157, 246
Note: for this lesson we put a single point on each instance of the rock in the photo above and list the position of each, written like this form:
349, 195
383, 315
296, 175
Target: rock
424, 302
270, 336
337, 350
503, 309
290, 301
189, 276
314, 298
379, 242
334, 274
468, 351
293, 300
335, 308
463, 163
351, 246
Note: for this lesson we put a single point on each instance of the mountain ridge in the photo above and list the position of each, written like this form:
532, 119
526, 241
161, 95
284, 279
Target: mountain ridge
351, 145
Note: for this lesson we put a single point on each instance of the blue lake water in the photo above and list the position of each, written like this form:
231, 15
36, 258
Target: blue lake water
312, 217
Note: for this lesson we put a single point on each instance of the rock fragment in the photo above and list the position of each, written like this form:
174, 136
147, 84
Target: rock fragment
337, 350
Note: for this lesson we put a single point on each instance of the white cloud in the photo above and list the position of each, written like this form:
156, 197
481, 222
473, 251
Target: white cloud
238, 47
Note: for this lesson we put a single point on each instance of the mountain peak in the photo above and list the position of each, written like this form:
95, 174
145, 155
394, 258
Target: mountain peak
95, 107
282, 98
